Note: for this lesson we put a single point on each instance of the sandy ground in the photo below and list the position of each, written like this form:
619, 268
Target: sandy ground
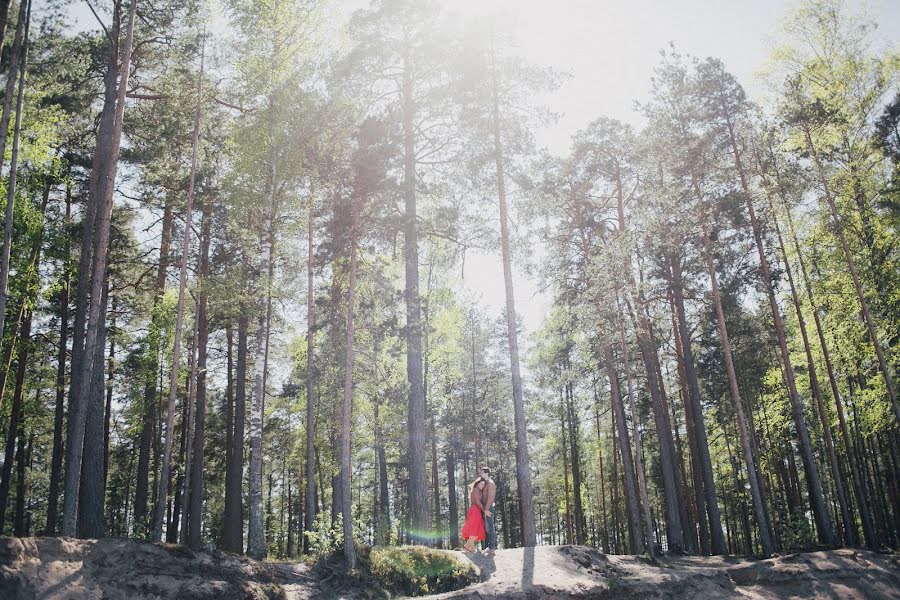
113, 569
551, 572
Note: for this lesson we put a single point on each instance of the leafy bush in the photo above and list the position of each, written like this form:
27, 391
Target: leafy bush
325, 539
416, 570
798, 534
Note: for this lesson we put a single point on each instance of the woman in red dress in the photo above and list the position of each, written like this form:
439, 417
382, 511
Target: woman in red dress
473, 528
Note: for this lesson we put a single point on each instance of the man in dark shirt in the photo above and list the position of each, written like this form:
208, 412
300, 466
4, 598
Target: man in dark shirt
490, 492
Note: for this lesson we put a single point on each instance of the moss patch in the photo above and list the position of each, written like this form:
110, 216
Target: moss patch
417, 570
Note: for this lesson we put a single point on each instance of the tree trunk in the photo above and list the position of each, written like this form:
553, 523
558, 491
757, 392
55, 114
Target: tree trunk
563, 417
756, 491
59, 413
20, 48
196, 498
576, 465
310, 374
162, 494
817, 499
849, 526
453, 506
151, 400
631, 496
187, 435
256, 541
103, 175
523, 469
16, 415
346, 416
233, 520
699, 506
91, 498
418, 499
693, 388
638, 458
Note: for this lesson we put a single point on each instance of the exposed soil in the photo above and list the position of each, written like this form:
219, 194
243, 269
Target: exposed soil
113, 569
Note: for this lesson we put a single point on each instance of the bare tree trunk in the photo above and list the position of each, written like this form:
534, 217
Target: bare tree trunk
19, 49
562, 421
59, 413
187, 435
636, 432
195, 505
15, 417
851, 264
418, 499
756, 491
256, 538
453, 506
310, 374
576, 465
150, 390
162, 494
233, 521
103, 175
631, 495
346, 417
699, 507
693, 388
91, 499
523, 469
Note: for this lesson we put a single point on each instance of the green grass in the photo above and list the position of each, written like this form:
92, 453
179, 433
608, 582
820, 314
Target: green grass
417, 570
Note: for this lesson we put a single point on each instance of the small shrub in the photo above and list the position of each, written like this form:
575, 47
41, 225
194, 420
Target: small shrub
416, 570
798, 534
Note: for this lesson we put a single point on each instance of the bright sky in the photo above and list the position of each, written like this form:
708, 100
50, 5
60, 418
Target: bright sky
610, 47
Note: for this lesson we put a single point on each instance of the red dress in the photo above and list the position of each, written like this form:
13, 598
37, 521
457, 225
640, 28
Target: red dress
474, 525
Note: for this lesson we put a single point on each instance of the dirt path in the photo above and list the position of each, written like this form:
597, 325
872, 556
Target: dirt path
551, 572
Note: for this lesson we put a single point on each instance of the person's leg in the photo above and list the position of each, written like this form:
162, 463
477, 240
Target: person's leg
491, 533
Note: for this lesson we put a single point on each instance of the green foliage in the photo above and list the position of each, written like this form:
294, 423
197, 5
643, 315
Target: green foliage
798, 533
418, 571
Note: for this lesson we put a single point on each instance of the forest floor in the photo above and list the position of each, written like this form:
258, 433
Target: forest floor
113, 569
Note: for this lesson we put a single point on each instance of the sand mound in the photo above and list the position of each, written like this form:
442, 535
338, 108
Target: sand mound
114, 569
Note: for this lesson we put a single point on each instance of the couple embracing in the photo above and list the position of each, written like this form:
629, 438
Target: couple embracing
479, 523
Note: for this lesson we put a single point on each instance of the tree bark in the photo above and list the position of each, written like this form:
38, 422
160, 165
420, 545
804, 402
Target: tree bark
310, 375
418, 499
15, 417
103, 175
233, 520
150, 399
702, 457
59, 413
631, 495
19, 49
91, 498
756, 491
162, 494
346, 416
196, 498
523, 468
